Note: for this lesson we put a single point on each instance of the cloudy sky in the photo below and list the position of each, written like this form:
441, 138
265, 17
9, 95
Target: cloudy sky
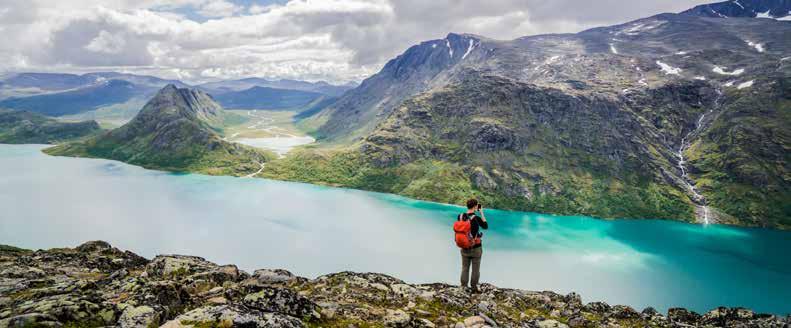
333, 40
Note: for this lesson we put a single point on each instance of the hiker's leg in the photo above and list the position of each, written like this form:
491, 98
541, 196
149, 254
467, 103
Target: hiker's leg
465, 269
476, 267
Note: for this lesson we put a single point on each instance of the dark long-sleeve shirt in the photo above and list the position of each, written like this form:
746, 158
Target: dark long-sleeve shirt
476, 224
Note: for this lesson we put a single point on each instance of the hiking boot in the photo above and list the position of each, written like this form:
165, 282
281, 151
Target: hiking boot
475, 290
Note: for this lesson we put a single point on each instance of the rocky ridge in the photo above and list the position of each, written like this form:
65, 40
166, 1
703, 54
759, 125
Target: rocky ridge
97, 285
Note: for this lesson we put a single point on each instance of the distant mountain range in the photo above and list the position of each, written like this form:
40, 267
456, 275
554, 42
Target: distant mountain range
177, 130
676, 116
81, 99
220, 87
55, 94
267, 98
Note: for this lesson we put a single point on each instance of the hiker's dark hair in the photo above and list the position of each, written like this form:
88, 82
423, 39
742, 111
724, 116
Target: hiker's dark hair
472, 203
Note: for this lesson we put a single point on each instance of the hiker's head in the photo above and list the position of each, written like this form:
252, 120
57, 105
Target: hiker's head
472, 204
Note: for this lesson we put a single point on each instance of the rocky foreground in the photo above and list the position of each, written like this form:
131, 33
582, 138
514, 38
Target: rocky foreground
96, 285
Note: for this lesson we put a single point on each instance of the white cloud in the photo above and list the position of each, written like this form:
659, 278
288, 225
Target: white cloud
218, 8
106, 43
335, 40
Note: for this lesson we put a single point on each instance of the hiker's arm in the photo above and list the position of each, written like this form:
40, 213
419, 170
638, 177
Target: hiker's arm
483, 223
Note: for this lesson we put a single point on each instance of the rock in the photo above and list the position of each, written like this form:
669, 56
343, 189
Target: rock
94, 246
474, 321
176, 266
30, 320
577, 321
681, 315
141, 316
397, 318
623, 312
551, 324
597, 307
227, 316
281, 300
271, 277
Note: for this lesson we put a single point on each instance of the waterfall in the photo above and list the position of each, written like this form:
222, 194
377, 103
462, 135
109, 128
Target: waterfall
698, 198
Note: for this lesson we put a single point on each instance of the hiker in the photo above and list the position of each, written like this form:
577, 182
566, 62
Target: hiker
468, 238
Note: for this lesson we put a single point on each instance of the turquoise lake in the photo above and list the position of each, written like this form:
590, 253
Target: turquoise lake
311, 230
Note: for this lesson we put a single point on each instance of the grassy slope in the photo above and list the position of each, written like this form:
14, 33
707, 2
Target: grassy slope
743, 160
446, 182
28, 127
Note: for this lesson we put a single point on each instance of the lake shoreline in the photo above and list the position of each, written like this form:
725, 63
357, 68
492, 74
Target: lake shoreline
117, 287
257, 175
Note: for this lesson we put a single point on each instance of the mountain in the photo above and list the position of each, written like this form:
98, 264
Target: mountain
775, 9
177, 130
674, 116
104, 93
267, 98
20, 127
220, 87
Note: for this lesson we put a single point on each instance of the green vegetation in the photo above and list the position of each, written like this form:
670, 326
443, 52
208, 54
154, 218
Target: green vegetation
12, 249
446, 182
27, 127
743, 160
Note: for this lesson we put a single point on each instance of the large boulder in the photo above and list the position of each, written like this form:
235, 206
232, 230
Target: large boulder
232, 316
281, 300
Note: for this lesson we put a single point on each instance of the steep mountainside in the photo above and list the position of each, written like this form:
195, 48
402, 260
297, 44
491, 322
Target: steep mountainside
676, 116
267, 98
177, 130
25, 127
97, 285
103, 93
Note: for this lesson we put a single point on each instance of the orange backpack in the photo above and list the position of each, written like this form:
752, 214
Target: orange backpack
463, 230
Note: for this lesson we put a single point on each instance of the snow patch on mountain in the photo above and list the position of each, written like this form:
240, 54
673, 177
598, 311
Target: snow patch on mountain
450, 49
469, 48
612, 49
745, 84
667, 69
721, 71
763, 15
758, 46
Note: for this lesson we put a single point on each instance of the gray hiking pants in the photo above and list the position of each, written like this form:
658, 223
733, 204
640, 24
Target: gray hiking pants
471, 256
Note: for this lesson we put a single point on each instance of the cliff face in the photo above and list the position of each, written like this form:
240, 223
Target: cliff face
178, 129
97, 285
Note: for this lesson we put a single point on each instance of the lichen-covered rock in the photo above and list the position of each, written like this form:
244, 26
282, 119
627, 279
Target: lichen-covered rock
140, 316
98, 285
281, 300
231, 316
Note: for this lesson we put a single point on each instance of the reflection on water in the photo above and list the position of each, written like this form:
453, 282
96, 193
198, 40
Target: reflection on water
312, 230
